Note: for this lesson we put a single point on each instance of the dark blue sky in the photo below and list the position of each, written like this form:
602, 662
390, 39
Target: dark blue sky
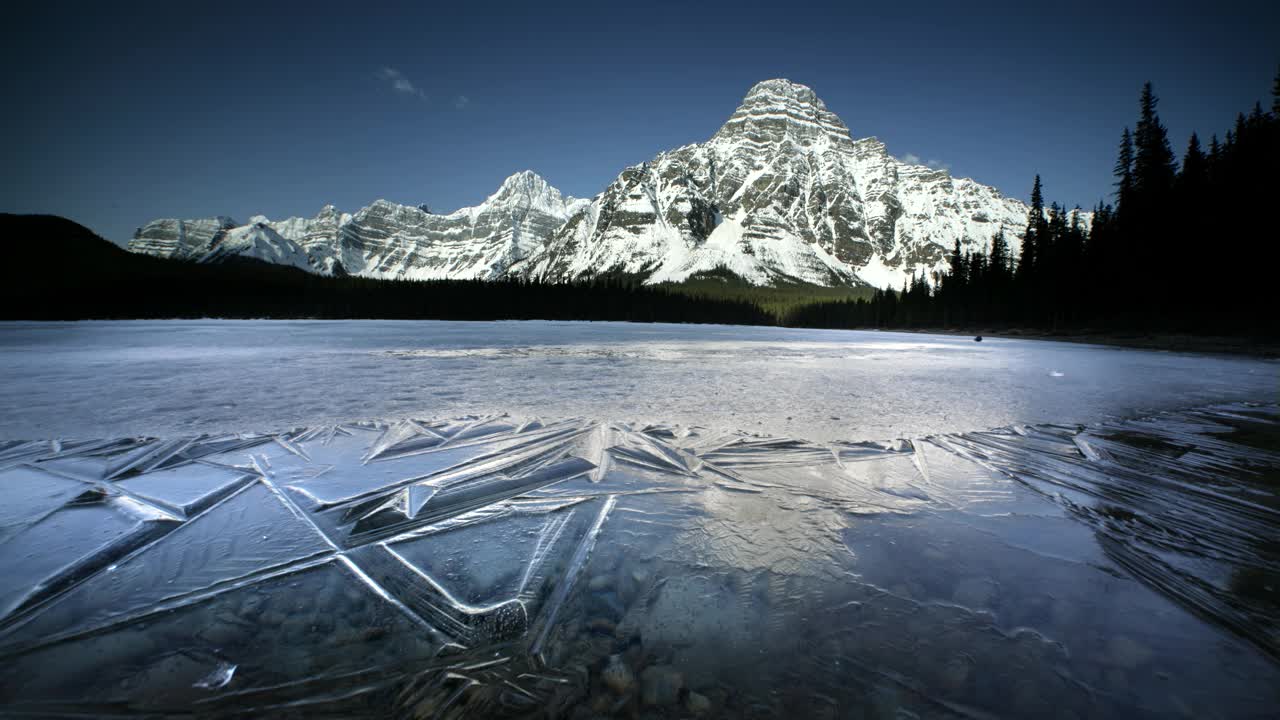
122, 112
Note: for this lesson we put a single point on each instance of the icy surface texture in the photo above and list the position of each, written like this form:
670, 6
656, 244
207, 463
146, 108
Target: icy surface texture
174, 378
491, 566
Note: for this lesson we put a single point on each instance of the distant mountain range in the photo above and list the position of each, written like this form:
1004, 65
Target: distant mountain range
57, 269
780, 194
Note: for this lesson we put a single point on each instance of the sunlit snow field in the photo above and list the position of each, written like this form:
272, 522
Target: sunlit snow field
420, 519
109, 379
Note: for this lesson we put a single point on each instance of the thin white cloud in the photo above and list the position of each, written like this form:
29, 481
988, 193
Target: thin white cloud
913, 159
461, 102
400, 83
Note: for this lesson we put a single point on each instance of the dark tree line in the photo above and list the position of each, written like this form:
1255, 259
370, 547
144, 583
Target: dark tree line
58, 270
1185, 247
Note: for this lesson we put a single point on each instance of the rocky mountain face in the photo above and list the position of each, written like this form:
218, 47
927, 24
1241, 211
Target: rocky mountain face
780, 193
216, 239
397, 241
317, 236
385, 239
180, 239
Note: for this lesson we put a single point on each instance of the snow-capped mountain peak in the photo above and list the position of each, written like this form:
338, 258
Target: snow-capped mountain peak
779, 110
780, 193
526, 190
525, 183
260, 241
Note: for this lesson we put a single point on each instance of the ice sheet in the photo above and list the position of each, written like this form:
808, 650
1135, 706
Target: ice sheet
494, 566
179, 378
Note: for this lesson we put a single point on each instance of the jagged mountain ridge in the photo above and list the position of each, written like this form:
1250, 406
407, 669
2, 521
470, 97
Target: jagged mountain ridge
780, 193
385, 239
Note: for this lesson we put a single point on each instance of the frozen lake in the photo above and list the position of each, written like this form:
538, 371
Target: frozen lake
605, 520
111, 379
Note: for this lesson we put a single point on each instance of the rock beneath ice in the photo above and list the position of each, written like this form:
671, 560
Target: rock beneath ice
601, 625
782, 599
660, 685
697, 703
617, 676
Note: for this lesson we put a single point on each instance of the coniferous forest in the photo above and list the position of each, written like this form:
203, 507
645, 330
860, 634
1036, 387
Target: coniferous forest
1183, 247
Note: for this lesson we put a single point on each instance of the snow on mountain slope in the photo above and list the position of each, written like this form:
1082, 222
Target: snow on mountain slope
318, 236
385, 239
259, 241
398, 241
781, 192
216, 239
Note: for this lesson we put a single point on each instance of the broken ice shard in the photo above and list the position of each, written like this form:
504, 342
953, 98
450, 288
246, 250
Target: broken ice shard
496, 567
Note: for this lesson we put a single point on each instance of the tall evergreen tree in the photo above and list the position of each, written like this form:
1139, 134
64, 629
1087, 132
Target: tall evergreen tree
1195, 169
1191, 191
1056, 227
1032, 240
1153, 159
1124, 169
999, 263
1145, 219
957, 264
1071, 250
1051, 259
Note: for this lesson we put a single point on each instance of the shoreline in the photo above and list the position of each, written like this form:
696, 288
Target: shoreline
1268, 349
1256, 347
